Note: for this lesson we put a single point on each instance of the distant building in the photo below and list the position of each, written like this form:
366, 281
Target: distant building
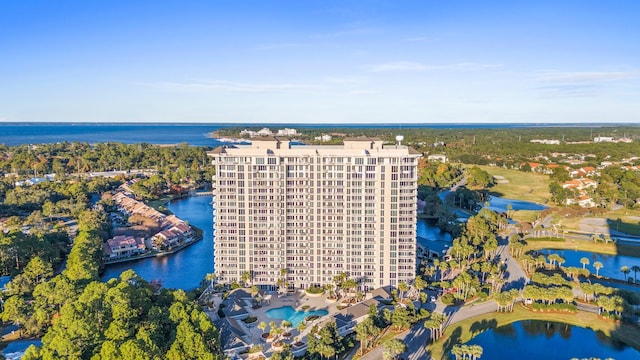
546, 141
598, 139
437, 157
323, 138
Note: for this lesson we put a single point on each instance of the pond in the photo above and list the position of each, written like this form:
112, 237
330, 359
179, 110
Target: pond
291, 315
611, 263
535, 340
431, 237
499, 204
186, 268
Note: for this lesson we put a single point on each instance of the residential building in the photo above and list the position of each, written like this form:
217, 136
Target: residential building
437, 157
316, 211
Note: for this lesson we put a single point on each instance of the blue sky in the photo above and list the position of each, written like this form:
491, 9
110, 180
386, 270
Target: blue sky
320, 61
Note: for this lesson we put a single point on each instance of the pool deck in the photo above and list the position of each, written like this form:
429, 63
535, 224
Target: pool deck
295, 300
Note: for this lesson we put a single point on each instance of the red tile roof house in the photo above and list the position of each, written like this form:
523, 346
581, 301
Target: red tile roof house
167, 238
124, 246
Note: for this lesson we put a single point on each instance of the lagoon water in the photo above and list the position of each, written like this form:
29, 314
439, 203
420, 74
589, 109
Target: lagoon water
186, 268
611, 263
535, 340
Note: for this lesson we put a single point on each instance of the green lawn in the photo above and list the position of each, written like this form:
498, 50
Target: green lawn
462, 333
520, 185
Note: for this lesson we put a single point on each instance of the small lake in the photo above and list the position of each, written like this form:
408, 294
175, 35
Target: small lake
500, 204
535, 340
611, 263
186, 268
431, 237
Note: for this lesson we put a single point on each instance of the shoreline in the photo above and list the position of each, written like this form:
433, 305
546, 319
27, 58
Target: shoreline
152, 254
619, 331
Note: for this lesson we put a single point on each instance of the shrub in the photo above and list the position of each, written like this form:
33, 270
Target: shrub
545, 238
311, 317
250, 319
554, 307
315, 290
447, 299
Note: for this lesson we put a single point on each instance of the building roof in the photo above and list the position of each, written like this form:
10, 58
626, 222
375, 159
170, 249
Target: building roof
383, 293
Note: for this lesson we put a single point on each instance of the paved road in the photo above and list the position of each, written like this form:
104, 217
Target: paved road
416, 337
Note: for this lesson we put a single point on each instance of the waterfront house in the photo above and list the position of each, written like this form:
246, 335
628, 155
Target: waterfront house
124, 246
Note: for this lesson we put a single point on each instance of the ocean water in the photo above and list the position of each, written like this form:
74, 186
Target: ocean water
31, 133
12, 133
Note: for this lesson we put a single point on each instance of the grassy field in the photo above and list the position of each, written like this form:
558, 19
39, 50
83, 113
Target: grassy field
573, 245
521, 185
525, 215
462, 333
629, 221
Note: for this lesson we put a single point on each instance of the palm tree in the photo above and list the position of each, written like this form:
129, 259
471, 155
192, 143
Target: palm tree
598, 265
584, 261
625, 270
262, 326
476, 351
635, 269
403, 287
246, 276
394, 347
211, 277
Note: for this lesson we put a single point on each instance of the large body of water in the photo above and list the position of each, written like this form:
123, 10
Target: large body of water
194, 134
535, 340
611, 263
186, 268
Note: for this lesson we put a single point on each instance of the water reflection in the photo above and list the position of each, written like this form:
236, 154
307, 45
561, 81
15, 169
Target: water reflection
534, 340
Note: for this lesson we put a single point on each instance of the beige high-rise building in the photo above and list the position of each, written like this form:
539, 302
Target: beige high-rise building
316, 211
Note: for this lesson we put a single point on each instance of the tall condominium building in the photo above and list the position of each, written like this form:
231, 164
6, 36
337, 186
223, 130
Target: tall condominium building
316, 211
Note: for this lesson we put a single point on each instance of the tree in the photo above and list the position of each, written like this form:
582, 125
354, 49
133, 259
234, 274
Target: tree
262, 326
246, 278
584, 261
598, 265
366, 331
403, 287
625, 270
435, 324
211, 277
635, 269
393, 348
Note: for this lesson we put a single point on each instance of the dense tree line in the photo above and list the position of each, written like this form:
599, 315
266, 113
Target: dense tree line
82, 317
177, 164
503, 146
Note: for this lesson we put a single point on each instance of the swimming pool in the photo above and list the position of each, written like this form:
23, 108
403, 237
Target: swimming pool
291, 315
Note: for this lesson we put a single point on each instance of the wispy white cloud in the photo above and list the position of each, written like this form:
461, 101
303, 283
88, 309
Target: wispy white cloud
232, 86
586, 76
417, 66
579, 83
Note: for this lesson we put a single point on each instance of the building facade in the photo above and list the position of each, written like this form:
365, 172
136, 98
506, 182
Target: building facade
308, 213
